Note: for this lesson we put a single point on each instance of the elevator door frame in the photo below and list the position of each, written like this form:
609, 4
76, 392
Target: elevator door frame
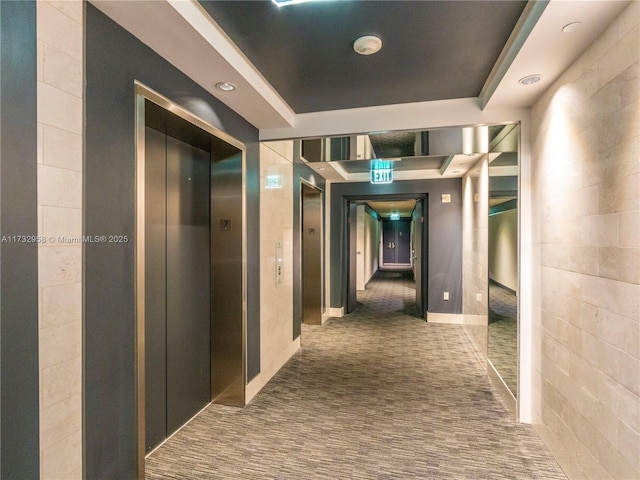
142, 94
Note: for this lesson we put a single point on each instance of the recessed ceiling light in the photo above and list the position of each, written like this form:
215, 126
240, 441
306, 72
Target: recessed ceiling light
571, 27
530, 79
225, 86
367, 45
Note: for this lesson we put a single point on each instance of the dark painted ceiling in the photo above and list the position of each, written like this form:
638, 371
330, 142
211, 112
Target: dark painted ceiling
432, 50
415, 163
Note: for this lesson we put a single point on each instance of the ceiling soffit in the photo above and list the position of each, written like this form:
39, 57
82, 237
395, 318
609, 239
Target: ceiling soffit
431, 50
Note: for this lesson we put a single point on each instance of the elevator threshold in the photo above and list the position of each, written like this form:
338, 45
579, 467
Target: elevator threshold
185, 424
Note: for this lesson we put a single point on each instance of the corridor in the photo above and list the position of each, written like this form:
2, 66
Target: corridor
378, 394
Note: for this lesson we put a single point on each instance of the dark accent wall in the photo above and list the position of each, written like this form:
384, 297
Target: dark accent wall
19, 393
114, 59
253, 259
301, 171
444, 237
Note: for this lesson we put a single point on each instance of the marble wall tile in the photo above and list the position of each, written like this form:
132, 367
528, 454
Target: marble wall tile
60, 382
61, 148
59, 108
59, 343
617, 58
629, 229
59, 265
60, 224
61, 304
629, 372
56, 460
62, 71
276, 315
60, 151
59, 29
58, 187
620, 263
590, 282
629, 442
60, 420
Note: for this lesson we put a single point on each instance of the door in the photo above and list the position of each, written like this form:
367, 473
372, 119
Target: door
311, 254
177, 284
420, 257
352, 264
396, 242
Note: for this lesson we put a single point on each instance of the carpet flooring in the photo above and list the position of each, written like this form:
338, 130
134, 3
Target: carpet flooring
377, 394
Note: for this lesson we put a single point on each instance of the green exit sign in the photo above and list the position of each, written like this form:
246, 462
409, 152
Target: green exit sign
381, 175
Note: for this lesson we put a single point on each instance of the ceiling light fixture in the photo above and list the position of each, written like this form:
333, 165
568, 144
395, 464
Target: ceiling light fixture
225, 86
571, 27
530, 79
284, 3
367, 45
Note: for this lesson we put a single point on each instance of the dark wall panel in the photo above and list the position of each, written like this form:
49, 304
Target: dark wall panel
114, 59
444, 238
19, 402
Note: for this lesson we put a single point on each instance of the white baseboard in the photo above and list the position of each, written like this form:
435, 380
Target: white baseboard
504, 392
457, 318
333, 312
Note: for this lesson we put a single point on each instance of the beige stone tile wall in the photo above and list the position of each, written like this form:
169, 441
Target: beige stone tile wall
475, 253
60, 128
586, 174
276, 225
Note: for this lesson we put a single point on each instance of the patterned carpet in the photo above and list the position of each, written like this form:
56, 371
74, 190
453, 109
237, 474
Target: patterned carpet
378, 394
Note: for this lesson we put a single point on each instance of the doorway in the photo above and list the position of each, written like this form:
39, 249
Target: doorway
401, 242
312, 285
189, 269
177, 292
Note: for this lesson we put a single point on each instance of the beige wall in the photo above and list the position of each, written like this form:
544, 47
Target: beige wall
60, 128
276, 225
475, 280
368, 246
371, 246
586, 174
360, 250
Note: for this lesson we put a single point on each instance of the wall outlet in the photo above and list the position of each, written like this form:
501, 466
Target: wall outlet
479, 297
446, 295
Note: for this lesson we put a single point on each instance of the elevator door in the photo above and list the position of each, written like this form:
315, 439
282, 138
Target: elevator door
177, 284
396, 242
311, 255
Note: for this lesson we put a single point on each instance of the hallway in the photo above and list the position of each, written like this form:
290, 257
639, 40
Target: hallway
376, 394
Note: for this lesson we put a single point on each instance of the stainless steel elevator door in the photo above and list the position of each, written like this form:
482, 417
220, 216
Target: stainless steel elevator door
177, 290
311, 255
188, 287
